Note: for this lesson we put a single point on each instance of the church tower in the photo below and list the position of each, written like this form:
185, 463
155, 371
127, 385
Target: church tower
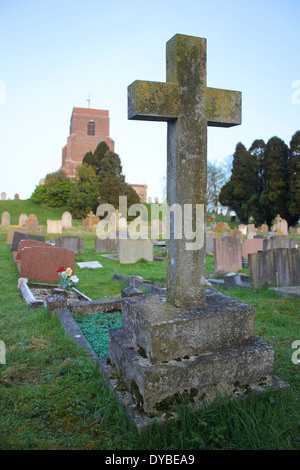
88, 127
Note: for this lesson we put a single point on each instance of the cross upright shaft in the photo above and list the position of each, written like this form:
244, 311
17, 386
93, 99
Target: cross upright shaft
189, 107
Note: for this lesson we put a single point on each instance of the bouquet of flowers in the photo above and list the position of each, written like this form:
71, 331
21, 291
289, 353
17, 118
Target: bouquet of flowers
66, 280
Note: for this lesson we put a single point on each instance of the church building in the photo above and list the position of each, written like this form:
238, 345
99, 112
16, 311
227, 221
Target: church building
88, 127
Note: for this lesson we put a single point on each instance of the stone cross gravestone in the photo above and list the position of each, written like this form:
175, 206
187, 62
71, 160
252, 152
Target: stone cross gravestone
188, 106
197, 342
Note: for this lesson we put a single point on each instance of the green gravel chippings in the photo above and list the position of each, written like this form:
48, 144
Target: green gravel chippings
95, 329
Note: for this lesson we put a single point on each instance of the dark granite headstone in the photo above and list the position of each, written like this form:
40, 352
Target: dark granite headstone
18, 236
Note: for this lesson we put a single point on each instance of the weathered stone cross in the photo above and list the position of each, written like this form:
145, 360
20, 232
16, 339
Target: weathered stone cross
188, 106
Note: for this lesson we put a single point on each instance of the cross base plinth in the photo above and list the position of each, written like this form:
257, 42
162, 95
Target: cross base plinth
158, 359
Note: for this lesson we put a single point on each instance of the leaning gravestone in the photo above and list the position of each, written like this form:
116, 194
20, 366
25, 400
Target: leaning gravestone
5, 219
3, 196
197, 342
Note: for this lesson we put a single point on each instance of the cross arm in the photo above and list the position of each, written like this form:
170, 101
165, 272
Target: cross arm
153, 101
223, 107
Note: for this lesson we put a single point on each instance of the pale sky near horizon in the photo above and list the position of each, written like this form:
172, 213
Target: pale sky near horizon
54, 54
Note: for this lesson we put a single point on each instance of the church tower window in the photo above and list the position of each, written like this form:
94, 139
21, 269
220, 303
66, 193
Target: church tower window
91, 128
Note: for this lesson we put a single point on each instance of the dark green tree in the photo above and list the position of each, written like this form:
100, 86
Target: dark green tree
79, 204
294, 178
112, 182
100, 153
274, 198
238, 192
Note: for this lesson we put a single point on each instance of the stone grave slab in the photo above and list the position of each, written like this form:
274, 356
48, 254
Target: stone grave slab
11, 231
75, 244
280, 225
40, 263
5, 219
66, 220
54, 226
131, 251
253, 245
279, 241
28, 244
22, 220
90, 264
18, 236
277, 267
32, 223
227, 254
107, 245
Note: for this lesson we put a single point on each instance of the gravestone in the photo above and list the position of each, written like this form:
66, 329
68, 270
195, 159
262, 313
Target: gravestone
22, 220
91, 220
3, 196
66, 220
264, 228
5, 219
210, 246
16, 197
243, 229
272, 268
280, 225
11, 231
251, 231
32, 223
75, 244
107, 245
54, 226
18, 236
221, 226
149, 200
253, 245
131, 251
28, 244
196, 342
40, 263
227, 254
278, 241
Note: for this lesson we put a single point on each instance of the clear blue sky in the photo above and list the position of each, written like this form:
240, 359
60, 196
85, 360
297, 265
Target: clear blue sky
54, 53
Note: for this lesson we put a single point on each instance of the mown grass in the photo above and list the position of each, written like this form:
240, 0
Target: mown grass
52, 397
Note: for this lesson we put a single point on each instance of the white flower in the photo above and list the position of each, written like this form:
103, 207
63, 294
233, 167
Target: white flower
64, 275
74, 279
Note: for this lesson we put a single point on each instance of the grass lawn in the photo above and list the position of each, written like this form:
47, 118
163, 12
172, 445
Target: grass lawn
52, 397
